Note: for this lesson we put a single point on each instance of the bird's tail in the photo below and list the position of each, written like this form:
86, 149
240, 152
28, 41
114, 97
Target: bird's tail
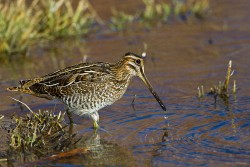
23, 87
14, 88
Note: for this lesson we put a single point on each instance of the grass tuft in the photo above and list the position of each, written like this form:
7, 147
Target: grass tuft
186, 8
61, 19
222, 89
22, 24
40, 133
120, 20
18, 26
155, 11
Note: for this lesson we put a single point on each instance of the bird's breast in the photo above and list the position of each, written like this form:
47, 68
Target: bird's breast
94, 96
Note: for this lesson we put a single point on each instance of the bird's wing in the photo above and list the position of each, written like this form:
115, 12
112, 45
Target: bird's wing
53, 85
83, 72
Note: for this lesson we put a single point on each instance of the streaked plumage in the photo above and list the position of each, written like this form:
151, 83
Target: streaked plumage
87, 87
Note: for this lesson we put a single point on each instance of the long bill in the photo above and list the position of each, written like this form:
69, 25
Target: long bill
145, 80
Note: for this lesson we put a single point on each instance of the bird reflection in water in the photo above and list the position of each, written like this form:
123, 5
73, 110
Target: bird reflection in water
100, 152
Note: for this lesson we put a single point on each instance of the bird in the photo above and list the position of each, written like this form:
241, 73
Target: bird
86, 88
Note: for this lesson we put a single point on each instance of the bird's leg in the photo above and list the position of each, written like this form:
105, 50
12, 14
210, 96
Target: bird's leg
96, 126
70, 121
69, 116
95, 117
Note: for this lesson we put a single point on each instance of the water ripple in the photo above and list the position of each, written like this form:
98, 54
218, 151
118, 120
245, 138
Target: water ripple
189, 133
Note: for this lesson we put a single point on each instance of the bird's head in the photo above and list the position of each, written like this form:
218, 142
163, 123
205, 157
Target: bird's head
134, 64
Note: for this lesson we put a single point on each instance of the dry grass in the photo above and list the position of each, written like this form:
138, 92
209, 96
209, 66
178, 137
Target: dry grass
40, 133
222, 89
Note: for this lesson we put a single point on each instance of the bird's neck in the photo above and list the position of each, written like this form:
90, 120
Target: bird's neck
121, 72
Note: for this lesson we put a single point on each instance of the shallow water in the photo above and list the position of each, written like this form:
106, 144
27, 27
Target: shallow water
181, 57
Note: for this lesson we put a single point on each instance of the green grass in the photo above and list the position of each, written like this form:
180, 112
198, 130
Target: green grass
61, 19
22, 25
18, 26
155, 12
120, 20
152, 12
187, 8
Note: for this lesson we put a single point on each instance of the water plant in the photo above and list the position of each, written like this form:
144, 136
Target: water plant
222, 89
200, 91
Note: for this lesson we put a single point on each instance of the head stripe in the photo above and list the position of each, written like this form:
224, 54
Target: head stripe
132, 54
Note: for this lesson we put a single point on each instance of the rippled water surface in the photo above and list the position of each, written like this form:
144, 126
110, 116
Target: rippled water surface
181, 56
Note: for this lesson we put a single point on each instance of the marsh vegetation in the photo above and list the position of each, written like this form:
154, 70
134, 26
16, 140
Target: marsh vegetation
221, 90
24, 24
184, 49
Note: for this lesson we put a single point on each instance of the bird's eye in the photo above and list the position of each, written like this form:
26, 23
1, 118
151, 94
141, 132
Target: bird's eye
138, 61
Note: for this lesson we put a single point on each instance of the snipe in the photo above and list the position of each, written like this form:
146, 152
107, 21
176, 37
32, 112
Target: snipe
87, 87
